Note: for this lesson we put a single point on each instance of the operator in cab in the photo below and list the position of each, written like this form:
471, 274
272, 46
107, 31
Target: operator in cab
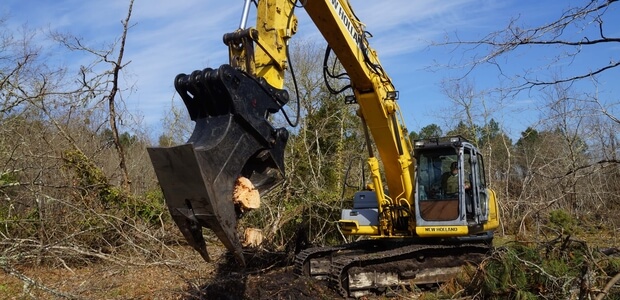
450, 181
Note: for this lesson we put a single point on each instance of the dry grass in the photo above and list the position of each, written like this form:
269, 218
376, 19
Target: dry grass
174, 279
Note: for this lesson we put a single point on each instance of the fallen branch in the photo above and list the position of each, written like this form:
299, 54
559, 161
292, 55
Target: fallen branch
608, 287
31, 282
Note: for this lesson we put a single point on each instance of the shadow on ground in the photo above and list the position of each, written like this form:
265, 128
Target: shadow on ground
268, 275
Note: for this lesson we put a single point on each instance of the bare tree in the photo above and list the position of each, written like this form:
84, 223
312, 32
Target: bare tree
105, 84
467, 106
177, 126
575, 30
117, 66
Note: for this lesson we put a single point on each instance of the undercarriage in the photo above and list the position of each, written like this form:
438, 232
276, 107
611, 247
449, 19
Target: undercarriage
373, 266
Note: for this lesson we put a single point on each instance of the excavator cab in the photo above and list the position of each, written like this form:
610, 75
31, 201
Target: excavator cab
452, 197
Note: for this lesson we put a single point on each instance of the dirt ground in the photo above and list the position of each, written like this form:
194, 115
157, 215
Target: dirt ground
267, 276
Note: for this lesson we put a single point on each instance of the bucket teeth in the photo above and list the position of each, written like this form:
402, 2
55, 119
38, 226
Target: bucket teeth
232, 138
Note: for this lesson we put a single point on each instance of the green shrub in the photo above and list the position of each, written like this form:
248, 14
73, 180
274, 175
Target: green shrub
9, 178
562, 220
151, 208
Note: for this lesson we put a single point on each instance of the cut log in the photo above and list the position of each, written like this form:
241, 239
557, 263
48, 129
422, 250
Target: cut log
252, 237
245, 195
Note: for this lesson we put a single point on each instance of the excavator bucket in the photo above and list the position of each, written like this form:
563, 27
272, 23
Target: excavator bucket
232, 137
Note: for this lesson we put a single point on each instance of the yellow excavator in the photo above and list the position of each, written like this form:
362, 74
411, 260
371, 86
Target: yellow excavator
427, 209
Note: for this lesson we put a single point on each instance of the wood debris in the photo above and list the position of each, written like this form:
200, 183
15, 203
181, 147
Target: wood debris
245, 195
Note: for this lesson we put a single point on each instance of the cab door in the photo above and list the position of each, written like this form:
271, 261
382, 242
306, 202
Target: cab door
478, 190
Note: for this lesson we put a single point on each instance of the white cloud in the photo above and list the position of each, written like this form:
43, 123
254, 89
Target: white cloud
171, 37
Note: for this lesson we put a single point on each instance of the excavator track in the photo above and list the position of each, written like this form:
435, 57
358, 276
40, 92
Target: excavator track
315, 262
360, 268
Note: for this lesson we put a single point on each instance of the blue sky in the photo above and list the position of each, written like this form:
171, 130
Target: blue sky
171, 37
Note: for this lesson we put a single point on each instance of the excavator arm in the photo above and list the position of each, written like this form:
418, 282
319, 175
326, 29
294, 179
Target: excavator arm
233, 135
